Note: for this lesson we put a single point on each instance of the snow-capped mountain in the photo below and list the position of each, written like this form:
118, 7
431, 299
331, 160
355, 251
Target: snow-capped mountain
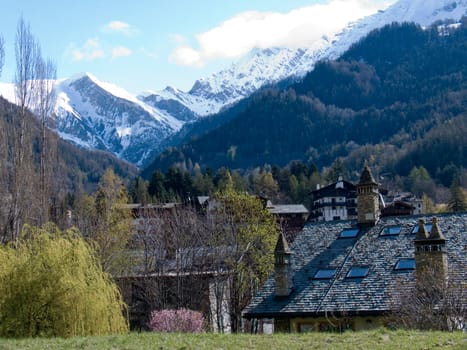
96, 114
263, 67
100, 115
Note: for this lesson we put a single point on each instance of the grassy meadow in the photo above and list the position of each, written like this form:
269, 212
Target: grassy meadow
378, 339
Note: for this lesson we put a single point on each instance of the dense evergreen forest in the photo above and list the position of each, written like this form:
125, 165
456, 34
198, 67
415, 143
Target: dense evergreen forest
396, 99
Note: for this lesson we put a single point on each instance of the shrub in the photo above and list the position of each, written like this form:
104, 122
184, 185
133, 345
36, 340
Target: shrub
182, 320
52, 284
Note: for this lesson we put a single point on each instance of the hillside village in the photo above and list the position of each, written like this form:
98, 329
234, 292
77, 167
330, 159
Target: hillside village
331, 202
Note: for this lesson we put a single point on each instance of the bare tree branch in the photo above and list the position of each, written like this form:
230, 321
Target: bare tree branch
2, 54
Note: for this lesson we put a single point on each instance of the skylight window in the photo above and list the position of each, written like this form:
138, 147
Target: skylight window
325, 274
391, 231
349, 233
405, 264
427, 228
358, 272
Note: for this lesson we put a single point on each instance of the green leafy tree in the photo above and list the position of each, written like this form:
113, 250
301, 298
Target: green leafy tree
420, 182
250, 232
264, 184
52, 284
105, 220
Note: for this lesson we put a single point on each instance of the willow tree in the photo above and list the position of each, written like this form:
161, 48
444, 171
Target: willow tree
241, 224
52, 284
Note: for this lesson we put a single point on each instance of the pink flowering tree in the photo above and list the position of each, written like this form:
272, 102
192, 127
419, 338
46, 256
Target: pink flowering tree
182, 320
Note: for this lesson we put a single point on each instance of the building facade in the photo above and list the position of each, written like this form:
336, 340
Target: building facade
337, 201
346, 274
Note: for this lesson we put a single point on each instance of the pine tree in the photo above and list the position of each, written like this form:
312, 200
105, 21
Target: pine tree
458, 202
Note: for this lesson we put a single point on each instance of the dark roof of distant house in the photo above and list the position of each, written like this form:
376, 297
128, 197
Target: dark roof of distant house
318, 247
339, 188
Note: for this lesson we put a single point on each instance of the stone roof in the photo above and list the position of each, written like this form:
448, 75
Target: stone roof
282, 246
318, 246
287, 209
367, 177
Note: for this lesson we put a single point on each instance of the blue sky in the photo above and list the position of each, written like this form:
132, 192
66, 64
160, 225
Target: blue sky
149, 44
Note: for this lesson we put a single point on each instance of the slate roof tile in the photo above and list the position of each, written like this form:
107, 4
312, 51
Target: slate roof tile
318, 246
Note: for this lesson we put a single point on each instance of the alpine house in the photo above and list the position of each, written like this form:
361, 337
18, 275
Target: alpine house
353, 274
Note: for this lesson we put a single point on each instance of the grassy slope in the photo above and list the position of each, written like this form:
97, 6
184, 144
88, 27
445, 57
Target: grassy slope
379, 339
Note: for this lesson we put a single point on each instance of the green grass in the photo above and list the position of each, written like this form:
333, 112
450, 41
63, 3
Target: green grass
378, 339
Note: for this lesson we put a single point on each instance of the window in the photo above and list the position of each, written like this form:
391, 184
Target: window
405, 264
325, 274
349, 233
427, 228
358, 272
391, 231
338, 326
305, 327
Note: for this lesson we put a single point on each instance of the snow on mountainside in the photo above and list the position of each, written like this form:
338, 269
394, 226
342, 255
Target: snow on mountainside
269, 66
96, 114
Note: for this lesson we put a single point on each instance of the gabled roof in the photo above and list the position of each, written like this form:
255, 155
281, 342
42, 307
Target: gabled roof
318, 246
287, 209
336, 189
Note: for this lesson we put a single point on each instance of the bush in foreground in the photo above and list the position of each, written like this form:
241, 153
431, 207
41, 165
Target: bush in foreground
52, 284
182, 320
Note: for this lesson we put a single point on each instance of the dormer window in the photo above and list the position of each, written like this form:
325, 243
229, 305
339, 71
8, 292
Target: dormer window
391, 231
405, 264
358, 272
349, 233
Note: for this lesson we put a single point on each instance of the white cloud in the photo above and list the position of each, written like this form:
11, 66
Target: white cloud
89, 51
298, 28
119, 27
121, 51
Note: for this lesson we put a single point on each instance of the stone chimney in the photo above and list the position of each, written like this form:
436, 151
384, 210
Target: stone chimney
367, 199
431, 260
282, 268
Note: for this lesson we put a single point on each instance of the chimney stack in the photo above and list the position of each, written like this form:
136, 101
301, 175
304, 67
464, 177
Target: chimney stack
367, 199
282, 268
431, 261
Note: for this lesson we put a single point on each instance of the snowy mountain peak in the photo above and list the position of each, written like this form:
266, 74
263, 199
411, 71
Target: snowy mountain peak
268, 66
97, 114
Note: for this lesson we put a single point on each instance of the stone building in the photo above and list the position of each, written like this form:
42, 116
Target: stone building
343, 275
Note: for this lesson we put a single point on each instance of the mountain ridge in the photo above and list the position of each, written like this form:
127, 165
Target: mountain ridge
383, 100
135, 128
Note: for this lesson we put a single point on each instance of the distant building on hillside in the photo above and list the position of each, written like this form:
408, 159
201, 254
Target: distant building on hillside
347, 274
337, 201
290, 217
402, 204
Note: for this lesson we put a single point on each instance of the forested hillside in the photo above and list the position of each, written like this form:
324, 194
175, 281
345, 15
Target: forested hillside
397, 99
70, 170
